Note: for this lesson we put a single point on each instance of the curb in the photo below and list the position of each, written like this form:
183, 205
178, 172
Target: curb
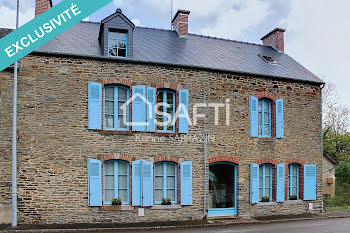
173, 227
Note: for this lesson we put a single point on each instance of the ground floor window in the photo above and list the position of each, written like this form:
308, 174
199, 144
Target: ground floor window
293, 181
165, 181
116, 181
265, 181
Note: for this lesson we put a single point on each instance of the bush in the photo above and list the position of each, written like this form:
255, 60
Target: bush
117, 201
342, 196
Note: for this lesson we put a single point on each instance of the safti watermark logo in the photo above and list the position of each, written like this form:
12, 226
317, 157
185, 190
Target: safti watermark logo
181, 112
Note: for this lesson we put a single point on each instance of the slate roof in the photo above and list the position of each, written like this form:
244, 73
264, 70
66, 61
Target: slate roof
165, 47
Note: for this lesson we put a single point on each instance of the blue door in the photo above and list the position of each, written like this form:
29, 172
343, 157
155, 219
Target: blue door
222, 189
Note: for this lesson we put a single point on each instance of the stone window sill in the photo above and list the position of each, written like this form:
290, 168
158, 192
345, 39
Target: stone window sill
114, 132
293, 202
165, 134
166, 207
261, 139
267, 203
117, 208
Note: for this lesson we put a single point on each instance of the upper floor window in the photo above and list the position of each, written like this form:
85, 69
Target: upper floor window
265, 181
116, 111
264, 118
116, 181
118, 44
167, 97
165, 181
293, 181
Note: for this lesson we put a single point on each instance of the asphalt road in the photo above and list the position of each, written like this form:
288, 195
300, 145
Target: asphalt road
337, 225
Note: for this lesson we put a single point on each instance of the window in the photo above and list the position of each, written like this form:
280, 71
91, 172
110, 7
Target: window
165, 181
293, 186
116, 181
118, 44
269, 60
166, 97
116, 113
265, 181
264, 118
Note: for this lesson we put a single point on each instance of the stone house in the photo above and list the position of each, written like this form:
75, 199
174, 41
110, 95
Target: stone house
329, 165
96, 110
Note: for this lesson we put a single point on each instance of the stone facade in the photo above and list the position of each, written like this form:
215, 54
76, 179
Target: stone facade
54, 142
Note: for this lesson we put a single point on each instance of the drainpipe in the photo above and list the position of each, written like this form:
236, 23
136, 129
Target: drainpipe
205, 176
14, 138
322, 86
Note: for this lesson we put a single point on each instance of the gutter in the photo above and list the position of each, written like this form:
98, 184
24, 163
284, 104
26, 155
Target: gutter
136, 61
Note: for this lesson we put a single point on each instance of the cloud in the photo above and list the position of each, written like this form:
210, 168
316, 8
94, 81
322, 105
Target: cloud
8, 16
318, 38
137, 22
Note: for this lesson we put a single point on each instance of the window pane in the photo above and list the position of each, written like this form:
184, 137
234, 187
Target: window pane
171, 182
294, 179
109, 108
267, 182
267, 192
160, 97
113, 52
159, 169
121, 52
260, 193
109, 168
110, 121
170, 169
266, 106
112, 43
171, 194
122, 182
121, 123
260, 182
294, 191
169, 97
109, 93
159, 182
123, 194
109, 195
294, 170
113, 35
109, 182
122, 36
122, 94
267, 170
122, 44
158, 195
121, 110
123, 168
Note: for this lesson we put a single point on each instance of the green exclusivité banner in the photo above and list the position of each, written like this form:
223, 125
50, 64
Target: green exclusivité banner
44, 28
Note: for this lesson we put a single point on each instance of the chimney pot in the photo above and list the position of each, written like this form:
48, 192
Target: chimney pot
275, 38
41, 6
180, 23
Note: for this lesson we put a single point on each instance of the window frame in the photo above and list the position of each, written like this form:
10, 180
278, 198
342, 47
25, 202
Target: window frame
116, 107
290, 179
261, 127
116, 181
117, 39
263, 185
165, 127
165, 176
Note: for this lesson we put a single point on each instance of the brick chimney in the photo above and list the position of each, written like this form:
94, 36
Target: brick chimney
275, 38
41, 6
180, 23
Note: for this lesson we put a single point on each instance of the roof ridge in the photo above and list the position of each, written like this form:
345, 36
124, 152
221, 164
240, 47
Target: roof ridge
200, 35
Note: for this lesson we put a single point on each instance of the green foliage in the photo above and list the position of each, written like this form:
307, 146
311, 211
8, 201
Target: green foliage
342, 172
293, 197
166, 201
265, 199
342, 196
117, 201
336, 145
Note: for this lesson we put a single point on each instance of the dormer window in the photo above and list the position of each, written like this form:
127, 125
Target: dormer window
118, 44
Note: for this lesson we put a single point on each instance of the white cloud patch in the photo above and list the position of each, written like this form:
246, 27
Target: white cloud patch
137, 22
8, 17
319, 39
240, 17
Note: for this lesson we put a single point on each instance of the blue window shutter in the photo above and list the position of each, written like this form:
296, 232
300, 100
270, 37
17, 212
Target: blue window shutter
95, 106
147, 183
183, 121
253, 116
254, 183
186, 183
95, 182
151, 97
279, 119
139, 108
280, 182
310, 182
136, 183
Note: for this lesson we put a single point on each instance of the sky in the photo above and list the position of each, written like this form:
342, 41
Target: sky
317, 35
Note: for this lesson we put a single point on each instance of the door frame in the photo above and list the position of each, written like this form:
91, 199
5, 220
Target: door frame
213, 212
